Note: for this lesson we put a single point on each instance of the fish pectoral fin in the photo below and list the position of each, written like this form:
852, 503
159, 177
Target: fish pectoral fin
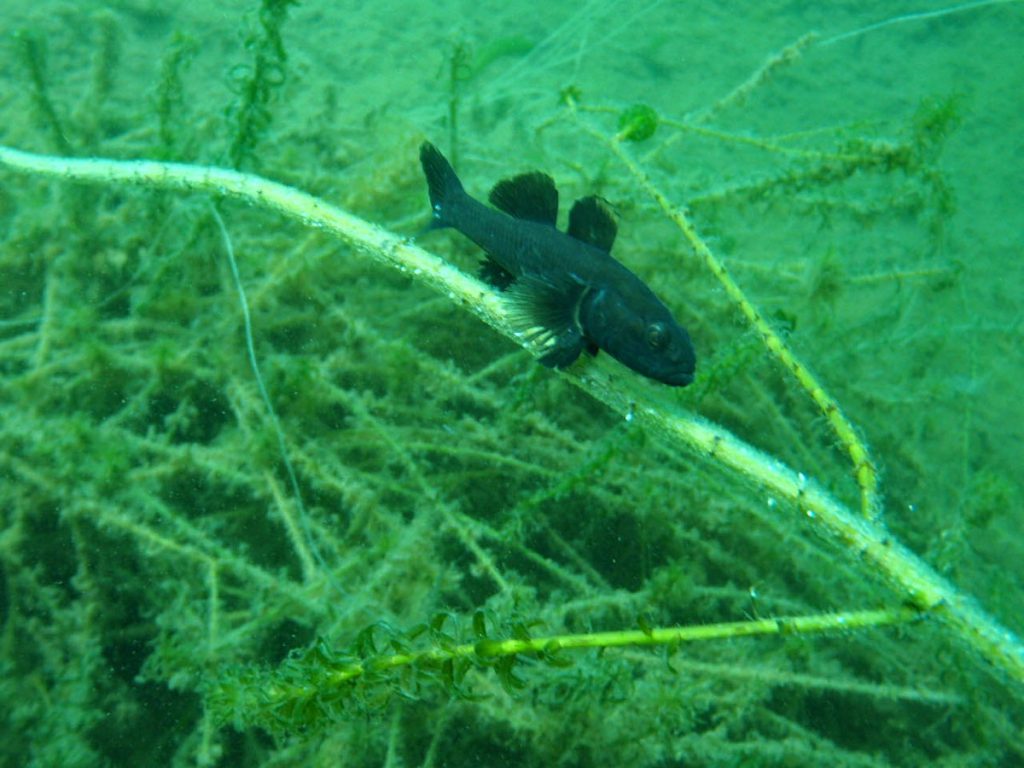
591, 221
547, 313
531, 196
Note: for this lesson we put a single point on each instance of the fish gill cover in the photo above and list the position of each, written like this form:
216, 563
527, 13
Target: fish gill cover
265, 500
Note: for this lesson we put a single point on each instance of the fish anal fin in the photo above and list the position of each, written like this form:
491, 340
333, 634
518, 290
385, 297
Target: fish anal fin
492, 273
531, 196
591, 221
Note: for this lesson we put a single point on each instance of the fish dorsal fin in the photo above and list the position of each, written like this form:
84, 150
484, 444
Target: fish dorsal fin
530, 196
591, 221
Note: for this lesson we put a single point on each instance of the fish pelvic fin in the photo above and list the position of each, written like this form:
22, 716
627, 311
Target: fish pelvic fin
442, 183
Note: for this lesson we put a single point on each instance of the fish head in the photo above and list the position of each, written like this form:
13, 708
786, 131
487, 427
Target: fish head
639, 332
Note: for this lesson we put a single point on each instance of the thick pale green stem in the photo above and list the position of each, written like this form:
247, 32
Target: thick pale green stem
910, 577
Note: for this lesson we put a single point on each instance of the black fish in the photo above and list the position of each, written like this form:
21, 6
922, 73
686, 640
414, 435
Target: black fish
567, 291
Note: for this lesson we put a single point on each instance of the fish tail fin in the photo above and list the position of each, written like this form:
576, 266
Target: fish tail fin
444, 186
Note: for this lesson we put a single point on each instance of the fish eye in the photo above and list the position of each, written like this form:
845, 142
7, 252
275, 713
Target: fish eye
657, 336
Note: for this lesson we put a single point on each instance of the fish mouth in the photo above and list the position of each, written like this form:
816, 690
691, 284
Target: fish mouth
678, 379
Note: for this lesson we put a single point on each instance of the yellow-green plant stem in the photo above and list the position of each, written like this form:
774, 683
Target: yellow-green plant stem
863, 467
909, 576
669, 636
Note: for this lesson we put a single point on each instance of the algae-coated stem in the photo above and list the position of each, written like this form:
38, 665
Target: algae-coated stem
907, 574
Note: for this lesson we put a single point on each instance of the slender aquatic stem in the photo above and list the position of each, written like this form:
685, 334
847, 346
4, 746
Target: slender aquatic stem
486, 650
863, 466
913, 580
296, 525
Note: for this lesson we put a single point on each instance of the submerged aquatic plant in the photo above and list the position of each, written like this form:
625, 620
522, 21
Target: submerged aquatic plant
352, 499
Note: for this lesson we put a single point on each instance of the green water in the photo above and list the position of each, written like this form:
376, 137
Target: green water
159, 564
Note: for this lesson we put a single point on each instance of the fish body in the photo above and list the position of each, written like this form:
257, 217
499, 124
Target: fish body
565, 288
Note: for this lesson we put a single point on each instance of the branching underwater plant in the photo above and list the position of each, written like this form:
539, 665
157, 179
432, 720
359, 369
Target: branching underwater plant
339, 508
